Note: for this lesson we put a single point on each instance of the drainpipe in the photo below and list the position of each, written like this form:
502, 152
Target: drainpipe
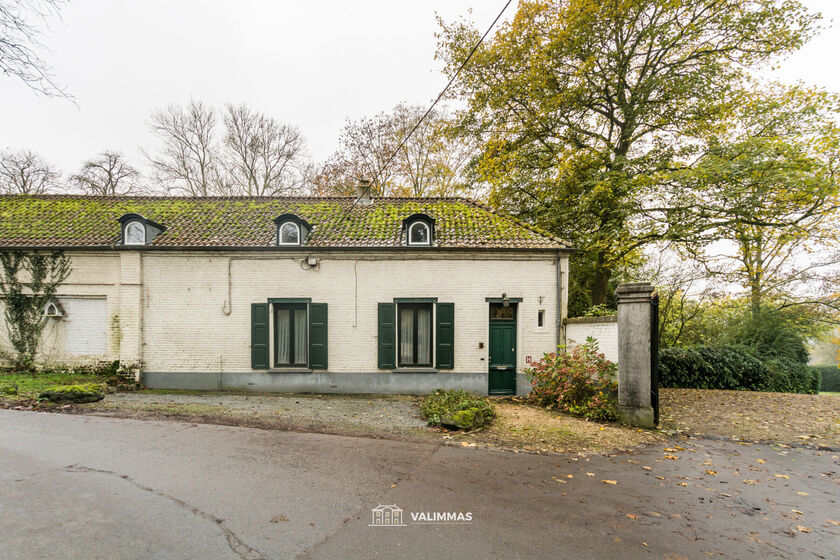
559, 325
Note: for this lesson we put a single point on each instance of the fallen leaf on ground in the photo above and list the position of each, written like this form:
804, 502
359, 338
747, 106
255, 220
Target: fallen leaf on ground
590, 474
613, 482
631, 516
781, 476
796, 511
749, 481
711, 472
672, 457
803, 493
762, 461
832, 522
646, 468
802, 529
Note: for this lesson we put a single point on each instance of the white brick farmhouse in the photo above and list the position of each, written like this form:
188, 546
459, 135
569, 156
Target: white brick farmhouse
399, 295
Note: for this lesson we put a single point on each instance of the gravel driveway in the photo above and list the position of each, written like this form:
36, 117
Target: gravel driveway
375, 414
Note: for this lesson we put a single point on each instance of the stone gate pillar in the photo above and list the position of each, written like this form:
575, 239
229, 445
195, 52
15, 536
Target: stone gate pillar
634, 354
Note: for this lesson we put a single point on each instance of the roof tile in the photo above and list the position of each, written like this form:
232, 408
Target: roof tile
91, 221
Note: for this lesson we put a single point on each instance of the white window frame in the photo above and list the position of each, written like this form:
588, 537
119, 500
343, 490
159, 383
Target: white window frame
411, 227
280, 234
142, 227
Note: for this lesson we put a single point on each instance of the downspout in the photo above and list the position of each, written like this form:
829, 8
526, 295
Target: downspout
559, 325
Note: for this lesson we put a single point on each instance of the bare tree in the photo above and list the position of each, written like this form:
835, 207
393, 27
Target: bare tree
263, 156
189, 162
431, 161
24, 172
20, 41
107, 175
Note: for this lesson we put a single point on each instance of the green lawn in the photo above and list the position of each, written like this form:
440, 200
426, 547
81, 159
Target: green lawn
829, 393
29, 385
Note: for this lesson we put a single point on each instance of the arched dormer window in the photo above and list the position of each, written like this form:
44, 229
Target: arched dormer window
137, 230
289, 234
419, 230
135, 233
292, 231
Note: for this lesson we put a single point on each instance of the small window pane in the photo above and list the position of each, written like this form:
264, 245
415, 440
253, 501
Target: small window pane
406, 335
499, 311
135, 234
419, 234
540, 318
283, 335
424, 335
300, 336
289, 234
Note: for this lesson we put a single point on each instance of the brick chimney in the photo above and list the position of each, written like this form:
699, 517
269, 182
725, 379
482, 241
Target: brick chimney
363, 192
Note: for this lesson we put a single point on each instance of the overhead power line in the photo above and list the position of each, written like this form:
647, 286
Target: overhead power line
426, 114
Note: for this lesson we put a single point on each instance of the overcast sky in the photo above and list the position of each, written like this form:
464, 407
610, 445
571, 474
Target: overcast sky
313, 64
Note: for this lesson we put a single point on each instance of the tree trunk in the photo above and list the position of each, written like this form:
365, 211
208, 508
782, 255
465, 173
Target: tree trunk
602, 281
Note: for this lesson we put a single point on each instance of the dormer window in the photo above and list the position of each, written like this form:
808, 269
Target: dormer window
292, 231
289, 234
419, 230
137, 230
418, 234
135, 234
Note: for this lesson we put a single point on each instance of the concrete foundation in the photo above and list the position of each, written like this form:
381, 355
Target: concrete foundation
634, 356
325, 382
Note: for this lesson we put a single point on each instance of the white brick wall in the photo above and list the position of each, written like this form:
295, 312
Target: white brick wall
173, 310
186, 328
605, 332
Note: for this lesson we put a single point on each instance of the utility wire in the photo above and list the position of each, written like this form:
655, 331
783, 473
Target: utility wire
426, 114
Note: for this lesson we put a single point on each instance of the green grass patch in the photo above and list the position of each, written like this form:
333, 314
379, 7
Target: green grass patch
15, 386
830, 393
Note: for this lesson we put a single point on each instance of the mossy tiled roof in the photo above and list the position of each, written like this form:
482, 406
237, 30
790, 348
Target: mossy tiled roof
91, 221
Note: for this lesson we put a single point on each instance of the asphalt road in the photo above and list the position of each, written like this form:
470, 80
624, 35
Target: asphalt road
89, 487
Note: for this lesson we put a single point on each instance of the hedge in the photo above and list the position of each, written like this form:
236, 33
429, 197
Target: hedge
733, 368
830, 378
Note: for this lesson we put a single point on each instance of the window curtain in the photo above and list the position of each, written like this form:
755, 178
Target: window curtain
424, 335
300, 336
406, 336
283, 332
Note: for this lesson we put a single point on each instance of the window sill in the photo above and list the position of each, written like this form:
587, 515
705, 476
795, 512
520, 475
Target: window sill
414, 370
289, 370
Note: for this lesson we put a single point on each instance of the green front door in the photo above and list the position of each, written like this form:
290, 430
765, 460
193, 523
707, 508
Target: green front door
502, 358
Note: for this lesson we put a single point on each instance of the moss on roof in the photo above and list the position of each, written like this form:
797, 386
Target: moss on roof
89, 221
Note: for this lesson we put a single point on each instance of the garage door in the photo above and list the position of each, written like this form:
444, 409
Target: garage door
84, 325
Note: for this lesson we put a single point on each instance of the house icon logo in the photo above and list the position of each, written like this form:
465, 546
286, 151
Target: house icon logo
387, 516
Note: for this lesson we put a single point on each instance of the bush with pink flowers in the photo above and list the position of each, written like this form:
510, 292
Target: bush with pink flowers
578, 381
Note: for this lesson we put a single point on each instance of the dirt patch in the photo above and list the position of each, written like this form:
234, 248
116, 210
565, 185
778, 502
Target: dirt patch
525, 426
751, 416
385, 416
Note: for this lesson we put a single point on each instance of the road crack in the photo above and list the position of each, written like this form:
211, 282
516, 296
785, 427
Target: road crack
236, 544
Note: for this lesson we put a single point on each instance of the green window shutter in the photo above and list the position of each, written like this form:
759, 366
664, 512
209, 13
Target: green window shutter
318, 335
259, 336
387, 336
445, 335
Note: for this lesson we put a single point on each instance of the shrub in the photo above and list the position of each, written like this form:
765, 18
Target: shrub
829, 378
732, 368
770, 334
88, 392
457, 408
580, 382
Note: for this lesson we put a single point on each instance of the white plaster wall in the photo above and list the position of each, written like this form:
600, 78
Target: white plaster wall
606, 333
94, 277
185, 327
